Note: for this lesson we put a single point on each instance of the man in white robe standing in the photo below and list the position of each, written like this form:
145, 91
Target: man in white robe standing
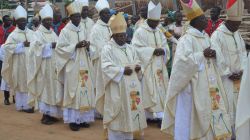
153, 52
99, 37
195, 105
122, 108
86, 22
230, 48
42, 79
75, 71
242, 123
14, 70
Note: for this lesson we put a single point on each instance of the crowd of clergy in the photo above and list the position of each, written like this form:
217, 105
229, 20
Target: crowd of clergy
81, 70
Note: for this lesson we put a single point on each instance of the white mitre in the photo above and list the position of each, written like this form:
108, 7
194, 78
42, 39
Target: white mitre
83, 2
154, 11
101, 4
46, 12
20, 12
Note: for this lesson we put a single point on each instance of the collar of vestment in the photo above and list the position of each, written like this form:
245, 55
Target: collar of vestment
224, 29
72, 27
99, 21
22, 31
113, 43
195, 32
84, 20
44, 30
146, 27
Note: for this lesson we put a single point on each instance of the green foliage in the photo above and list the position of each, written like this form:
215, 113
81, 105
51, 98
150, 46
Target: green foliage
4, 4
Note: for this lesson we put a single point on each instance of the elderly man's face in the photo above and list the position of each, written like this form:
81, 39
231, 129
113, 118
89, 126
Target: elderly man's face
76, 19
214, 13
7, 21
120, 38
153, 23
36, 22
233, 26
105, 15
85, 12
21, 23
47, 22
57, 17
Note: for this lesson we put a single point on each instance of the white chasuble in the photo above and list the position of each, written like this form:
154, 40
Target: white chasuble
195, 79
231, 54
14, 70
242, 123
121, 104
220, 119
87, 25
155, 74
74, 69
99, 37
42, 79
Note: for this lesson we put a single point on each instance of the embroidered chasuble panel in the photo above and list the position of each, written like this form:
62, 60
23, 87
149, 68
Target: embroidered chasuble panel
133, 89
220, 120
84, 89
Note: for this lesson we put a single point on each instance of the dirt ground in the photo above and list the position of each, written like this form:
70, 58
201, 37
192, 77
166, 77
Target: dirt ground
22, 126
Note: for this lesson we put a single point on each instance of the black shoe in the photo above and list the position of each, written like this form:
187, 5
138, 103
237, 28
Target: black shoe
53, 119
74, 127
31, 110
85, 125
43, 118
6, 102
13, 99
159, 123
46, 120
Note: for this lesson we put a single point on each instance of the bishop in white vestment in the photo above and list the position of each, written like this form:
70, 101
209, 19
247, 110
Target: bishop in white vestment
75, 72
195, 105
42, 79
122, 108
14, 70
86, 22
99, 37
153, 52
242, 123
230, 48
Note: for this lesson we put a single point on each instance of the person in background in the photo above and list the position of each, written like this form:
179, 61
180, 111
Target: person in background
1, 21
169, 19
5, 31
100, 35
176, 28
6, 28
14, 70
57, 24
35, 23
86, 22
134, 19
65, 20
143, 17
112, 12
129, 30
214, 21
